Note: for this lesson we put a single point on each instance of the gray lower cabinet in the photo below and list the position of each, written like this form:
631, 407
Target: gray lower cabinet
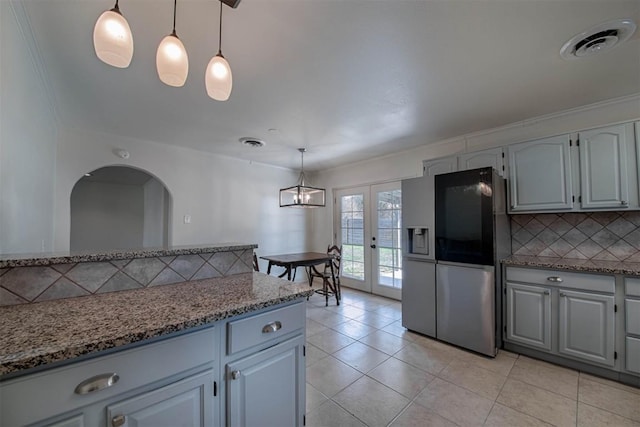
74, 421
266, 389
632, 324
586, 326
529, 315
187, 403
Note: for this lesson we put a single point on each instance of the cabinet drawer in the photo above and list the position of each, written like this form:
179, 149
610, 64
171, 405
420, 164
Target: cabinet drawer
565, 279
632, 310
28, 399
633, 354
632, 287
258, 329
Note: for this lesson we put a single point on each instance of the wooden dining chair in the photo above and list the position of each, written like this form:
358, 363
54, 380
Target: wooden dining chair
330, 282
256, 266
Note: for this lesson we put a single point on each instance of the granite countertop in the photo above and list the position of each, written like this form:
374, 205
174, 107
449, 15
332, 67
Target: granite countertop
34, 335
50, 258
586, 265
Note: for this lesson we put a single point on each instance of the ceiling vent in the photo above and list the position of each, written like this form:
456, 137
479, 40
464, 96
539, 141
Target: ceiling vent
598, 39
252, 142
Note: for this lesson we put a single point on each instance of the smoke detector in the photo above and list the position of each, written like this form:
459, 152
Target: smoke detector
252, 142
598, 39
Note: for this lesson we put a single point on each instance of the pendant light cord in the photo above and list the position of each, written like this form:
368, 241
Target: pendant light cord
175, 5
220, 32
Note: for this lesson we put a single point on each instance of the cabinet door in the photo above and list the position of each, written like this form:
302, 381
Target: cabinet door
587, 326
188, 402
440, 166
540, 175
604, 179
267, 388
486, 158
529, 315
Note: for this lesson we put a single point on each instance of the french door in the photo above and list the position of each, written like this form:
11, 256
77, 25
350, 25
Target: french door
367, 224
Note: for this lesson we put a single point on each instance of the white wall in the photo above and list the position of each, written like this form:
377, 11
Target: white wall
27, 145
154, 214
106, 216
229, 200
408, 163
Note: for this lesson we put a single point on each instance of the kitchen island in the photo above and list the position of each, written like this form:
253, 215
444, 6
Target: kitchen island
211, 321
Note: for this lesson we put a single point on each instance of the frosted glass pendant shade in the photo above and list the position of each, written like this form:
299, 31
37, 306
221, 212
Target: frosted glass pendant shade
172, 61
112, 39
218, 78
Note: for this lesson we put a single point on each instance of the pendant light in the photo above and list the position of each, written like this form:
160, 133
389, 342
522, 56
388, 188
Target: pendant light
172, 61
218, 74
112, 39
302, 195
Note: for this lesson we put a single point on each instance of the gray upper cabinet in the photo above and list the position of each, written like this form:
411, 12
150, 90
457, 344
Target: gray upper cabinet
439, 166
486, 158
604, 178
540, 175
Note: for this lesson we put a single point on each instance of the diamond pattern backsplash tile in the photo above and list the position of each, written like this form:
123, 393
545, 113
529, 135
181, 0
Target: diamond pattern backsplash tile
606, 236
20, 285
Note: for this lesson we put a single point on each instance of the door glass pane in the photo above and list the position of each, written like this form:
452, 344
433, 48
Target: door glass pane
352, 231
389, 228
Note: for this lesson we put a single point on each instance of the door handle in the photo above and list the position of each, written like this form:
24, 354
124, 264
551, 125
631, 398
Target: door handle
373, 246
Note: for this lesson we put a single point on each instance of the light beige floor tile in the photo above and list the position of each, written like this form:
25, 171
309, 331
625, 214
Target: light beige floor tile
589, 416
501, 364
314, 327
416, 415
384, 341
347, 310
327, 318
354, 329
361, 356
621, 402
428, 359
610, 383
330, 341
329, 414
314, 354
313, 398
542, 404
549, 377
392, 311
397, 329
371, 402
375, 320
401, 377
508, 353
330, 375
481, 381
455, 403
502, 416
441, 346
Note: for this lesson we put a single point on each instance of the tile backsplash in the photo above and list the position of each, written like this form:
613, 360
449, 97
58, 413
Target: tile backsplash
19, 285
607, 236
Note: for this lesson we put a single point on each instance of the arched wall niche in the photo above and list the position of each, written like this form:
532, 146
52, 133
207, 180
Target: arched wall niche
119, 207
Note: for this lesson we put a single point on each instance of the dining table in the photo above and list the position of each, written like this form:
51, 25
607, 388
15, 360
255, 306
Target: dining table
291, 262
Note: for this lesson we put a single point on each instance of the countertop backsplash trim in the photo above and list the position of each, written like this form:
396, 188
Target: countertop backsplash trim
109, 272
595, 236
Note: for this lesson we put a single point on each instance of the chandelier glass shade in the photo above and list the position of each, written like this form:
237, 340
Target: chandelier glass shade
112, 39
218, 79
172, 61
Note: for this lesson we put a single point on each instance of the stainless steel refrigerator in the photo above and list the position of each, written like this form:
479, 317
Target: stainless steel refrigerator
418, 256
471, 235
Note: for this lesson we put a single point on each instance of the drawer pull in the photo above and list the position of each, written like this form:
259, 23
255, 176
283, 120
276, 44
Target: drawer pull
271, 327
97, 383
118, 421
555, 279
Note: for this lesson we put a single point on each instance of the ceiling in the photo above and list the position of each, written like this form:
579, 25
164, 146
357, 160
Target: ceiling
348, 79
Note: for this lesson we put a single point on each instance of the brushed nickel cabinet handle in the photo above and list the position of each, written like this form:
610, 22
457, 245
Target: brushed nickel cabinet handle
235, 375
97, 383
118, 421
271, 327
555, 279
